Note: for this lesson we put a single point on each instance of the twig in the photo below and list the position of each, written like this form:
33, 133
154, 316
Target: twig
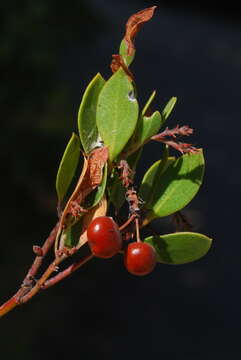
28, 281
131, 218
45, 249
137, 230
63, 274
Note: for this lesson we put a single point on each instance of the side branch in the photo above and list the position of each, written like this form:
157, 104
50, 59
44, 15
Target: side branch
29, 278
44, 250
63, 274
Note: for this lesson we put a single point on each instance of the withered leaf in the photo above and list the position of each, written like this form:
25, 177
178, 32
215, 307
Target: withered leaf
134, 24
118, 62
90, 178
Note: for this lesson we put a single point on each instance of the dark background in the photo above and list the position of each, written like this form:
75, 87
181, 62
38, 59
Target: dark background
49, 52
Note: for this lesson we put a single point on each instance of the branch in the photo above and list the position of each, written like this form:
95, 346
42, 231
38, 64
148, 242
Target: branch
63, 274
28, 281
44, 250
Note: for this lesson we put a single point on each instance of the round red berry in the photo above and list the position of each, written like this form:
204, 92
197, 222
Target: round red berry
140, 258
104, 237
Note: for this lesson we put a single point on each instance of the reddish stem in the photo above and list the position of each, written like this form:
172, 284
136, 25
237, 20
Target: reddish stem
26, 285
45, 248
137, 230
63, 274
131, 218
8, 306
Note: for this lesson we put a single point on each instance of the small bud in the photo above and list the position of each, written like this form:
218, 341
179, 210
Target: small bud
37, 250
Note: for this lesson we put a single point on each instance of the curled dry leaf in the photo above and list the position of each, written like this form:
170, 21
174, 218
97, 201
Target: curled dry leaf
118, 62
90, 178
126, 173
98, 210
134, 24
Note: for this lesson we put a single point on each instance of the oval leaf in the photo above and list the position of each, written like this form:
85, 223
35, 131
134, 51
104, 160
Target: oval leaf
147, 127
168, 108
152, 176
180, 248
123, 52
177, 185
87, 114
67, 166
117, 113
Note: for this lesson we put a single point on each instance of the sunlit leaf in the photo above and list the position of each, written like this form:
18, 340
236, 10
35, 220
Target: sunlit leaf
168, 108
180, 248
117, 113
175, 187
87, 114
123, 52
147, 127
152, 176
148, 103
68, 166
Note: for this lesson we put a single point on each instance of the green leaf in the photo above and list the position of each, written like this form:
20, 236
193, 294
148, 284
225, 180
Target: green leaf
123, 52
95, 196
147, 127
87, 114
148, 103
134, 158
117, 195
180, 248
116, 190
68, 166
72, 234
168, 108
117, 113
151, 177
176, 186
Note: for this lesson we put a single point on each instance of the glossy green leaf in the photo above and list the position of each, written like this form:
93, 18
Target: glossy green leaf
180, 248
68, 166
148, 103
152, 176
117, 113
123, 52
168, 108
87, 114
147, 127
176, 186
95, 196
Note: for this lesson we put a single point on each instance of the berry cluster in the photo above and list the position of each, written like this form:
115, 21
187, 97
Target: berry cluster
105, 241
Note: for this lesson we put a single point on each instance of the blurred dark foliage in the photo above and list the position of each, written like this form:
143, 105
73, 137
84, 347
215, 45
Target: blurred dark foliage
49, 52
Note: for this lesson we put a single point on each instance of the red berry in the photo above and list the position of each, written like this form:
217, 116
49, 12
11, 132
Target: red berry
104, 237
140, 258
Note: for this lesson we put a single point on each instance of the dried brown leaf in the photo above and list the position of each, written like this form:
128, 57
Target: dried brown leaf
134, 24
118, 62
90, 178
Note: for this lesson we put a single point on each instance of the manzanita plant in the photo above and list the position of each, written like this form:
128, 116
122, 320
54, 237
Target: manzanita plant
96, 179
